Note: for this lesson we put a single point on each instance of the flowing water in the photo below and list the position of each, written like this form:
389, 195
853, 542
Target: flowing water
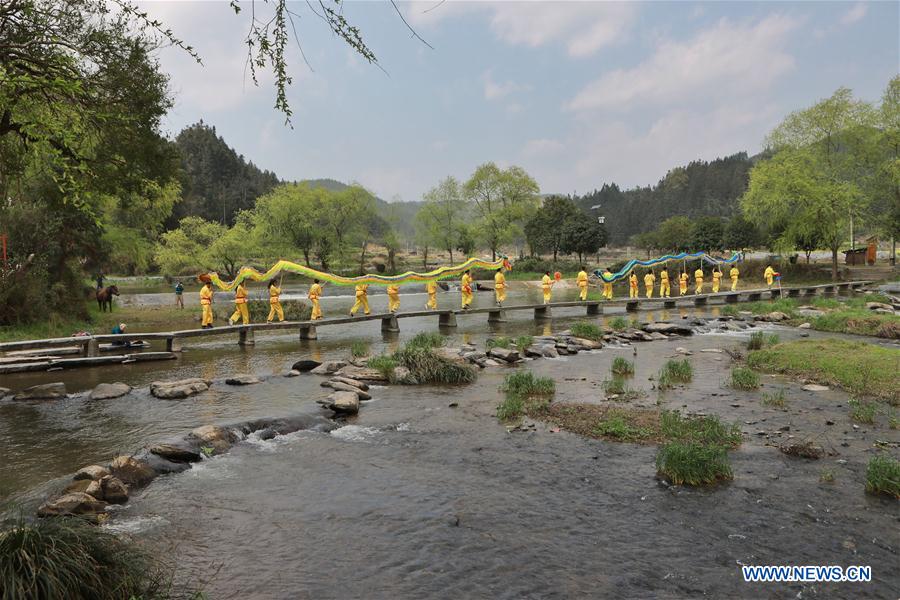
417, 498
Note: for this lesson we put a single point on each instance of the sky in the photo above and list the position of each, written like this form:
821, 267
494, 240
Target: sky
577, 93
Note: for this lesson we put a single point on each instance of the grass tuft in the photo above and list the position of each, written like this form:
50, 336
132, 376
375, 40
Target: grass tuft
703, 429
524, 392
426, 339
588, 331
427, 367
524, 341
862, 411
674, 371
775, 399
359, 349
826, 476
883, 476
384, 364
622, 366
759, 339
693, 464
615, 425
743, 378
497, 342
618, 323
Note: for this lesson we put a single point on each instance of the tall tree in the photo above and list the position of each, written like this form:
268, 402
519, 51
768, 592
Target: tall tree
740, 234
545, 230
707, 234
583, 236
442, 213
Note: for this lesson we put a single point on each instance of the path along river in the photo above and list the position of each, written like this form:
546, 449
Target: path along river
414, 498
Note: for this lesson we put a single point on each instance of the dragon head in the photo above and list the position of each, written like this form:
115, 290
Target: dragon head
506, 264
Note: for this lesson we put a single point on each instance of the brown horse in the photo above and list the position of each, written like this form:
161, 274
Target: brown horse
105, 297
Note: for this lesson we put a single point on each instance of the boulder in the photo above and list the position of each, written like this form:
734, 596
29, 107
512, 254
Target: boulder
404, 375
504, 354
329, 367
173, 390
307, 364
292, 373
79, 485
75, 503
113, 490
365, 374
776, 316
342, 402
357, 384
572, 349
668, 328
814, 387
94, 489
549, 352
177, 452
163, 466
451, 354
343, 387
243, 379
804, 326
879, 306
586, 343
490, 362
473, 356
91, 472
218, 438
45, 391
131, 471
656, 336
809, 313
106, 391
533, 352
267, 434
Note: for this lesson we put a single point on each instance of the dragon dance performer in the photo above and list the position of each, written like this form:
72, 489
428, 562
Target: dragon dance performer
769, 275
315, 291
607, 285
582, 281
274, 302
547, 286
362, 299
466, 289
633, 291
683, 283
431, 290
717, 279
500, 286
649, 280
734, 273
206, 298
664, 283
393, 294
240, 306
698, 278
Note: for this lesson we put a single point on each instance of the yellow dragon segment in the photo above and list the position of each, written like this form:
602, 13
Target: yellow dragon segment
286, 266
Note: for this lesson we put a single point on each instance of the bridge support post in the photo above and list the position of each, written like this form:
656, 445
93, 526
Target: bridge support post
776, 293
92, 348
700, 300
843, 288
631, 305
594, 309
754, 297
390, 324
246, 337
497, 316
447, 319
542, 313
828, 290
308, 332
668, 303
173, 344
793, 293
732, 298
810, 291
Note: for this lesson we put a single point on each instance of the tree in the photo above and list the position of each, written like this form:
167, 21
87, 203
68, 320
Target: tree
583, 236
442, 213
392, 244
674, 235
503, 201
808, 241
707, 234
740, 234
813, 182
465, 240
545, 230
285, 218
183, 250
885, 188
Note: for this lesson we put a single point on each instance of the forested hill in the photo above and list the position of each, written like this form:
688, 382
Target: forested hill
701, 188
216, 181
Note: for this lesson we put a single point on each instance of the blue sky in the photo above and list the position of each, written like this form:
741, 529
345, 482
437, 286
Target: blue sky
577, 93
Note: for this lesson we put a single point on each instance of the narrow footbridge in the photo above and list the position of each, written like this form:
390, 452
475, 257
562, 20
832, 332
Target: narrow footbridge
88, 348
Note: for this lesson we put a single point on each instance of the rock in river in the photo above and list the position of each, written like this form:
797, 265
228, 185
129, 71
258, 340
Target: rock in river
364, 374
114, 491
131, 471
343, 387
218, 438
329, 367
173, 390
76, 503
106, 391
91, 472
243, 380
815, 387
177, 452
306, 364
45, 391
355, 383
342, 402
504, 354
679, 328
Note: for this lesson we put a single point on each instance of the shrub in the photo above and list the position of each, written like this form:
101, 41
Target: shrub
426, 339
359, 349
618, 323
776, 399
862, 412
705, 429
589, 331
622, 366
524, 392
743, 378
883, 476
65, 557
427, 367
693, 464
384, 364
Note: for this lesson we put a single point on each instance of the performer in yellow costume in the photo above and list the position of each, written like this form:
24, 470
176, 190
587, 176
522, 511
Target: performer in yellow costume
582, 281
649, 280
717, 279
274, 302
633, 285
698, 278
465, 286
546, 286
500, 287
206, 297
431, 290
664, 283
240, 306
393, 294
683, 283
315, 291
607, 285
362, 299
769, 275
734, 273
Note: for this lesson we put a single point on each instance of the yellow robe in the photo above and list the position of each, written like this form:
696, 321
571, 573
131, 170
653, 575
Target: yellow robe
664, 290
770, 276
315, 291
649, 280
633, 286
431, 290
240, 306
582, 281
698, 278
393, 294
206, 298
275, 304
717, 278
546, 287
499, 286
607, 286
734, 273
465, 286
683, 283
362, 299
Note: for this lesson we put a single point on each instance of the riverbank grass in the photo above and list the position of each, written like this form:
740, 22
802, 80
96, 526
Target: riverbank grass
693, 464
674, 371
883, 476
743, 378
524, 392
775, 399
759, 339
588, 331
863, 369
622, 366
359, 349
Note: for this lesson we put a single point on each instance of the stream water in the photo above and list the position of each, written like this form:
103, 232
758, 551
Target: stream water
414, 498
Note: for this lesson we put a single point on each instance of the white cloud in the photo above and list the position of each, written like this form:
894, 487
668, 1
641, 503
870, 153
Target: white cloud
494, 90
727, 60
855, 14
542, 147
584, 27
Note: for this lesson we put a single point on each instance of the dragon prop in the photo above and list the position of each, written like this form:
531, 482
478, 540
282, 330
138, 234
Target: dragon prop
703, 256
286, 266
